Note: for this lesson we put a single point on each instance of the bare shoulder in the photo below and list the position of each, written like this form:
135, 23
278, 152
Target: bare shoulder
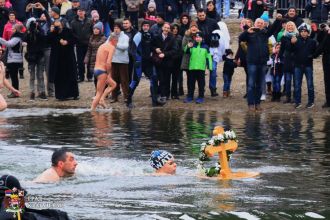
48, 176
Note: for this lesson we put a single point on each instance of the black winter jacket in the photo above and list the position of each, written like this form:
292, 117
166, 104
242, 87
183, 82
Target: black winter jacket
257, 52
318, 12
304, 50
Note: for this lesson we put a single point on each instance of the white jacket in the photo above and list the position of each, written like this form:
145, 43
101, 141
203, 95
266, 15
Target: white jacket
121, 52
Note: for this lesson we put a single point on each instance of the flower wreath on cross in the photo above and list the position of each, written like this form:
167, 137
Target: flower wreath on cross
219, 136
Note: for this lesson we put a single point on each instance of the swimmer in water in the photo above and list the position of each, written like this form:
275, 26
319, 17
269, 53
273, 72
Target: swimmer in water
5, 83
163, 162
63, 165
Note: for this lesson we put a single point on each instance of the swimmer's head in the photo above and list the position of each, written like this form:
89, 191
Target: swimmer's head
163, 162
64, 161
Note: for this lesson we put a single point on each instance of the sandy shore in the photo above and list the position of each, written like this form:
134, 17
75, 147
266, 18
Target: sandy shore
141, 99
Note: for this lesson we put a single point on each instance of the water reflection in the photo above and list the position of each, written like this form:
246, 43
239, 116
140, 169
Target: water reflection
102, 129
290, 150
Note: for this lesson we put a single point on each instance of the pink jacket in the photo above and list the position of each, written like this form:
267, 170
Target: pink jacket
7, 30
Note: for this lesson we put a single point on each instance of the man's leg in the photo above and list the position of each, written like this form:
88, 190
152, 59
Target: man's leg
310, 84
252, 70
297, 84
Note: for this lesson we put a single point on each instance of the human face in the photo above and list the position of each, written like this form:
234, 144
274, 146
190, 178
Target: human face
259, 23
289, 27
159, 20
168, 168
96, 31
198, 39
277, 48
75, 4
184, 20
145, 27
292, 13
193, 29
69, 165
304, 34
12, 17
127, 24
81, 14
175, 31
210, 7
2, 3
117, 30
201, 16
166, 29
248, 22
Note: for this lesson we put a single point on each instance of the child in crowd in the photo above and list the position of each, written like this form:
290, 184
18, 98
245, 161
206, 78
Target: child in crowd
303, 47
150, 14
200, 59
276, 73
163, 162
228, 71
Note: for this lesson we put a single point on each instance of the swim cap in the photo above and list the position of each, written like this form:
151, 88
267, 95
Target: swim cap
158, 158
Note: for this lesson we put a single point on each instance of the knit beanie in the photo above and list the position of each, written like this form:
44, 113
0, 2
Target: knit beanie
265, 16
152, 4
56, 10
99, 26
95, 14
158, 158
29, 21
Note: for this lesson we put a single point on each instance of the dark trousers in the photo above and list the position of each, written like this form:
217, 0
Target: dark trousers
12, 69
120, 76
192, 77
81, 52
175, 75
164, 77
326, 70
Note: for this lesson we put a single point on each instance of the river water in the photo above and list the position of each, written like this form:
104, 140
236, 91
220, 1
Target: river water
113, 181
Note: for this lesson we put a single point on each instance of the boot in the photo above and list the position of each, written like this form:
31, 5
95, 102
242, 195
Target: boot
225, 94
274, 97
278, 98
214, 92
181, 92
228, 94
269, 88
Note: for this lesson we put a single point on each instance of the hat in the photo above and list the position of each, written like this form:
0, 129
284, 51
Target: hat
161, 15
158, 158
9, 182
199, 34
304, 27
265, 16
152, 4
228, 51
56, 10
98, 25
29, 21
95, 14
193, 23
81, 8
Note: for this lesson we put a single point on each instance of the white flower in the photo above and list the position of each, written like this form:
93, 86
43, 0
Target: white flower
211, 142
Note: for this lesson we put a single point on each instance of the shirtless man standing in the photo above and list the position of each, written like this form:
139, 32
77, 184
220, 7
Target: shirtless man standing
63, 165
102, 71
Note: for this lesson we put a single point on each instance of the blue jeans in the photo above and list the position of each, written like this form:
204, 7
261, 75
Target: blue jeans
218, 6
227, 82
298, 76
277, 82
213, 76
227, 8
288, 81
256, 78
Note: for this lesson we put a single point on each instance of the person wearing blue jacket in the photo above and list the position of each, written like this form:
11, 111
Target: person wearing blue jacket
141, 47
